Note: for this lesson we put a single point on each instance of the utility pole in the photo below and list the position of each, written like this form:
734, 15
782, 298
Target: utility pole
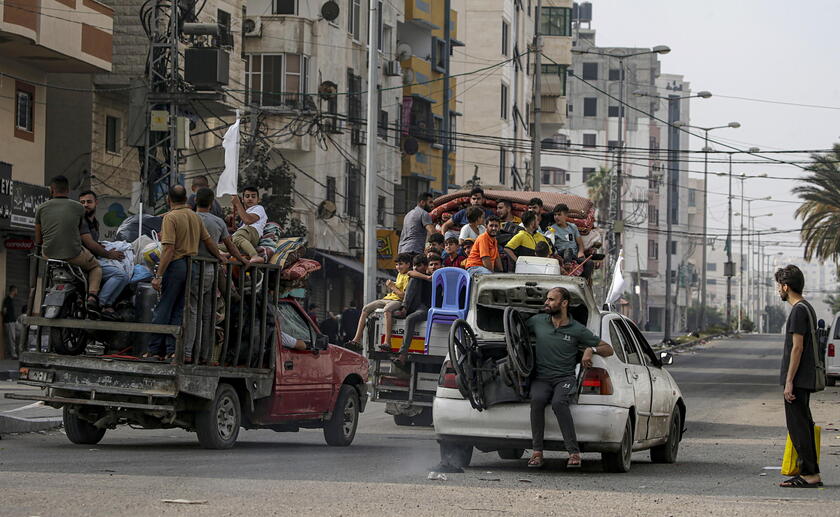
536, 145
447, 129
673, 147
370, 255
729, 269
701, 314
741, 261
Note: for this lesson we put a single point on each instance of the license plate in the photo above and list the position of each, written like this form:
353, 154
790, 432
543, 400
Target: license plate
40, 376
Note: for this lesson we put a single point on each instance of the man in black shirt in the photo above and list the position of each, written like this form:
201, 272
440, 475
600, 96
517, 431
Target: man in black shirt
10, 321
798, 376
349, 321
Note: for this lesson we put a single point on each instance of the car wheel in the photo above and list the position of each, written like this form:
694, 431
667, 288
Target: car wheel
217, 426
80, 431
667, 452
620, 461
455, 454
340, 430
830, 381
511, 454
402, 420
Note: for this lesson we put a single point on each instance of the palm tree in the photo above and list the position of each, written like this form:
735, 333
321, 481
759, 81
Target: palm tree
833, 301
599, 190
820, 210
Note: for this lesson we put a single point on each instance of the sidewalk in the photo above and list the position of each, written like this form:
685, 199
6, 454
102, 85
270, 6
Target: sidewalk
22, 416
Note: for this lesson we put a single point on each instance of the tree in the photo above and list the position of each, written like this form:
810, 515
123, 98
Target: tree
833, 301
599, 190
820, 210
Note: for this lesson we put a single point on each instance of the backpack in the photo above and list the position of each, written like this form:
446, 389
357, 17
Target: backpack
819, 364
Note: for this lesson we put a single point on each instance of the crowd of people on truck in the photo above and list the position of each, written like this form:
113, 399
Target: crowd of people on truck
68, 230
484, 241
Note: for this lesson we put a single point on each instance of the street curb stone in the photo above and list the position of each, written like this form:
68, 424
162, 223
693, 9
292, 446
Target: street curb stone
11, 424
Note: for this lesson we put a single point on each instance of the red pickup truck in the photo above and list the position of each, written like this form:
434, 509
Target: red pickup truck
269, 387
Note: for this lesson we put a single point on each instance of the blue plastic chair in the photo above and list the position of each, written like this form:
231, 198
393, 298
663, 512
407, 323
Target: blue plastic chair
454, 285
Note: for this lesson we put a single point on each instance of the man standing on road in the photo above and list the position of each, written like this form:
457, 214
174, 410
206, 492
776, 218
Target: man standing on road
417, 226
559, 338
10, 321
798, 376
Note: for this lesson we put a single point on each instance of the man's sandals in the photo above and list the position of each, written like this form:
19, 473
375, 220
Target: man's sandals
799, 482
537, 461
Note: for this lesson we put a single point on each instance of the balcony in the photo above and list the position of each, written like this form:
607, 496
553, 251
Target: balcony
553, 111
58, 36
421, 13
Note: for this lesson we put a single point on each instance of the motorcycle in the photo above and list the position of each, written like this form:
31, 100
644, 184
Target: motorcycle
65, 298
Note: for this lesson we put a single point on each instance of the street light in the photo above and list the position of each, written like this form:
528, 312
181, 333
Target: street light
754, 286
701, 314
615, 183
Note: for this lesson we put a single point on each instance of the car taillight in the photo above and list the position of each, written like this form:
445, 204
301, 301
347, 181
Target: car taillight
447, 376
831, 350
596, 381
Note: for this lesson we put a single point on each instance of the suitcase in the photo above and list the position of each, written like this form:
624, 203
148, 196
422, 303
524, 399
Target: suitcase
790, 462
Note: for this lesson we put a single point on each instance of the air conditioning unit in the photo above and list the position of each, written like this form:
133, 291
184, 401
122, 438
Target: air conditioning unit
392, 68
333, 125
252, 27
358, 136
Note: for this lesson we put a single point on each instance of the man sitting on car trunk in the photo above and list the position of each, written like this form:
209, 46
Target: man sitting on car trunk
559, 338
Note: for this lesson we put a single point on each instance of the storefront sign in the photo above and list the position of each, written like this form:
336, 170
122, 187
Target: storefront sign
18, 201
386, 248
19, 244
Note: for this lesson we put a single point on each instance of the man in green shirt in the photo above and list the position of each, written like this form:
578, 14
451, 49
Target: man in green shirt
57, 226
559, 338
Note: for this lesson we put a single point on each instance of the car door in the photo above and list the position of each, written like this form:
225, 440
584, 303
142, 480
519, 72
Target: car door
662, 392
303, 377
637, 376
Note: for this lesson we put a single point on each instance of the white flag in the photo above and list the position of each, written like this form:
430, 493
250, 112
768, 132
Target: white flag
617, 286
230, 176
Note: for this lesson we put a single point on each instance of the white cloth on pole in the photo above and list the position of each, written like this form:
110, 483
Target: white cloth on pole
229, 179
617, 285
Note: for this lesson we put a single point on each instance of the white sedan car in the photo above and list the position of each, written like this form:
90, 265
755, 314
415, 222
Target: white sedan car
627, 402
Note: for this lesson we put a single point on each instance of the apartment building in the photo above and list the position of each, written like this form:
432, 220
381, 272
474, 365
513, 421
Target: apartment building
39, 40
498, 102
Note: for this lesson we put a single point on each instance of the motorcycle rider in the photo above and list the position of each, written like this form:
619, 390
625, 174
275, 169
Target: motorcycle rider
58, 223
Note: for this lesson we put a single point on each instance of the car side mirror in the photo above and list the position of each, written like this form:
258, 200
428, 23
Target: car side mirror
666, 358
322, 342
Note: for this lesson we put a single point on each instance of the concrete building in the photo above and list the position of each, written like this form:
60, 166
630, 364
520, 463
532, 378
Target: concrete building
39, 41
498, 102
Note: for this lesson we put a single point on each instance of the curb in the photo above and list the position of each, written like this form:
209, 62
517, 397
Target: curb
11, 424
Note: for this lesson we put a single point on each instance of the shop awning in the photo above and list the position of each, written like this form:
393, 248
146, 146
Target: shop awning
355, 265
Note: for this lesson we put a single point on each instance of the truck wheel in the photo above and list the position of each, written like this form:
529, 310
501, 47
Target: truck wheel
667, 452
403, 420
80, 431
511, 454
340, 430
424, 418
620, 461
455, 454
217, 427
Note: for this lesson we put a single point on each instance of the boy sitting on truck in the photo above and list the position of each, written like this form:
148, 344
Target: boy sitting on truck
390, 303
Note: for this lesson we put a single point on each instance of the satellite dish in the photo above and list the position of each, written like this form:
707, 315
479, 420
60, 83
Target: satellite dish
403, 51
330, 10
408, 76
326, 210
327, 89
411, 145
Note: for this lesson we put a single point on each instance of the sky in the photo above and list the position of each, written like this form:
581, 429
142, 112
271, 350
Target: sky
758, 49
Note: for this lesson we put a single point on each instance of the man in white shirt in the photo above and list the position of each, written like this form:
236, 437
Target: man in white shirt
292, 342
253, 217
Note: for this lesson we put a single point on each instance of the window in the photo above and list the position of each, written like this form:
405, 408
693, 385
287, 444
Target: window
590, 107
553, 176
354, 97
379, 26
653, 249
612, 145
422, 120
711, 281
615, 74
453, 121
556, 21
711, 266
692, 197
354, 17
589, 139
380, 210
24, 106
225, 35
382, 126
438, 54
673, 247
387, 37
615, 342
625, 341
615, 111
267, 75
588, 172
559, 71
505, 37
504, 101
293, 323
437, 122
653, 215
502, 166
331, 188
112, 134
285, 7
352, 191
590, 71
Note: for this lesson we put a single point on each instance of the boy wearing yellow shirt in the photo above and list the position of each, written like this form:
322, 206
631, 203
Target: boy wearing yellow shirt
391, 302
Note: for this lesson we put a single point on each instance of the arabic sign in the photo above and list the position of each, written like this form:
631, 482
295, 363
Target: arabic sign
18, 201
386, 248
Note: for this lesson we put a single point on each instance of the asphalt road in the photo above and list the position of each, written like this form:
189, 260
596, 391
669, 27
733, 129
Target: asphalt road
735, 429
